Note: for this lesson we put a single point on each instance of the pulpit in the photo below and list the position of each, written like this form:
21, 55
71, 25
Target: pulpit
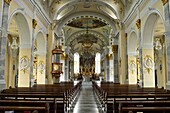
56, 65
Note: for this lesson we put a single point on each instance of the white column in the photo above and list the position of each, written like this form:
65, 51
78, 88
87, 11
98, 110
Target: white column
24, 65
111, 74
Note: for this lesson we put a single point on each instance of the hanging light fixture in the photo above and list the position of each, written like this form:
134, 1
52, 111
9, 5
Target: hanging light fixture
87, 43
35, 50
14, 44
158, 45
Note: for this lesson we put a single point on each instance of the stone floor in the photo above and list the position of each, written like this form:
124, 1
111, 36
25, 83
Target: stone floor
86, 102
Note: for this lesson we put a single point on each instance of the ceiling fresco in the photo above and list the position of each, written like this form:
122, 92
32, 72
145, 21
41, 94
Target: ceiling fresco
87, 23
86, 45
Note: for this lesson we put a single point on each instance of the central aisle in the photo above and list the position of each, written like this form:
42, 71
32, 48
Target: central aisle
86, 102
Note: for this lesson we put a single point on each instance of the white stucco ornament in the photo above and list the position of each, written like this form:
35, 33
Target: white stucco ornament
24, 63
41, 66
148, 63
132, 66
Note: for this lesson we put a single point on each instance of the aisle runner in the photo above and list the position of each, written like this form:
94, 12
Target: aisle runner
86, 102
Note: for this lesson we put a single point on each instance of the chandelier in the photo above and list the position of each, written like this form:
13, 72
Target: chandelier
158, 45
14, 44
87, 42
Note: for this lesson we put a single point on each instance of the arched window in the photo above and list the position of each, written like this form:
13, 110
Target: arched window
76, 62
97, 63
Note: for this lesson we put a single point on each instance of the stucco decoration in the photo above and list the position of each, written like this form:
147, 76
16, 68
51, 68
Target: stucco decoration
148, 63
132, 66
24, 63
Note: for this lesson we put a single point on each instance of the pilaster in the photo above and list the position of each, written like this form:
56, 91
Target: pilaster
148, 67
167, 37
3, 43
115, 63
41, 66
132, 70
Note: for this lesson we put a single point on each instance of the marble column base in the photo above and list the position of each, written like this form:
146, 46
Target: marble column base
168, 85
32, 82
2, 84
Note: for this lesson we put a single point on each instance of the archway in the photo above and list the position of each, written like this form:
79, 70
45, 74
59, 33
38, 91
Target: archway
154, 57
40, 58
132, 60
19, 29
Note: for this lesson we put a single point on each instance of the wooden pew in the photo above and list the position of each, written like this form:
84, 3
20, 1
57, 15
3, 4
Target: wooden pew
45, 92
22, 105
143, 106
126, 92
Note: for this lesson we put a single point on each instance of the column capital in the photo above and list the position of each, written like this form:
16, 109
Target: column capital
7, 1
138, 23
47, 35
164, 1
34, 23
126, 36
109, 56
66, 56
114, 48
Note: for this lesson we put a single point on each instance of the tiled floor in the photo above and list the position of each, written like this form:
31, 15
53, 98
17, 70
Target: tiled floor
86, 102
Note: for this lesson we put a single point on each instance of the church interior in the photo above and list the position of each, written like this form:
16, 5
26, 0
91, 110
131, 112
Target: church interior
84, 56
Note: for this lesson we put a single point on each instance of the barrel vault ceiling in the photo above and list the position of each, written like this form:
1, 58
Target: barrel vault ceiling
87, 29
86, 25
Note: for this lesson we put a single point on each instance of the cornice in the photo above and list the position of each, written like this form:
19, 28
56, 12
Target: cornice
132, 11
41, 11
142, 13
29, 12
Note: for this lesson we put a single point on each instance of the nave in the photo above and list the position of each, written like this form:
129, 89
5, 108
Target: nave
48, 45
86, 102
85, 97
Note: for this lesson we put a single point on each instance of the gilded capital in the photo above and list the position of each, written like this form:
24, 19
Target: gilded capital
109, 57
66, 56
34, 23
47, 35
164, 1
126, 36
7, 1
114, 48
138, 23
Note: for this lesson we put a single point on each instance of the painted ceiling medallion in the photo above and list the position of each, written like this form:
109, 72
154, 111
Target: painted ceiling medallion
82, 23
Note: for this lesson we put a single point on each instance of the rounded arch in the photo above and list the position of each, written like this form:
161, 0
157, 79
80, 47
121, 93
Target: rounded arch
41, 42
23, 26
132, 43
96, 34
149, 25
81, 14
100, 2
